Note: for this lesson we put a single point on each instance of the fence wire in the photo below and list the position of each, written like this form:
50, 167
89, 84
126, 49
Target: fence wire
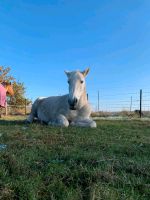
120, 101
116, 102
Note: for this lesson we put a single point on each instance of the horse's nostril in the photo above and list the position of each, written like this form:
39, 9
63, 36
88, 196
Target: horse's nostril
75, 100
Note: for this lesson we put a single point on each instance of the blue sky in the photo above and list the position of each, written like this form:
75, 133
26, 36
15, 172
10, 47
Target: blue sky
42, 38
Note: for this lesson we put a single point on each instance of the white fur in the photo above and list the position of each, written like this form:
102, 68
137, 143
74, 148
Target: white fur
55, 110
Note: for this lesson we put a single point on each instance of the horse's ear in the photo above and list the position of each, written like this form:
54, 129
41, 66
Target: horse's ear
85, 72
67, 73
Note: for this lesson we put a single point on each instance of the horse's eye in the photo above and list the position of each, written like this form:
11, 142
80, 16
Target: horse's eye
68, 82
82, 82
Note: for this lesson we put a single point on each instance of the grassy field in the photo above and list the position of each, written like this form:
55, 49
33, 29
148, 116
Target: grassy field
111, 162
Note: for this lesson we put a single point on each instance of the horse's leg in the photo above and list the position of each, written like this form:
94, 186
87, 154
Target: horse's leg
83, 119
30, 118
84, 123
61, 120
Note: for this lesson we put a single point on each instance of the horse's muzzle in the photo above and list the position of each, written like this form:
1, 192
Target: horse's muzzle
73, 103
72, 108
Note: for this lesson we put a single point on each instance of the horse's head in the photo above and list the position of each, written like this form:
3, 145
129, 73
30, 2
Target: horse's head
9, 88
76, 81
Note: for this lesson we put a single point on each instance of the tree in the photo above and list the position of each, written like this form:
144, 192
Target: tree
18, 87
19, 97
4, 74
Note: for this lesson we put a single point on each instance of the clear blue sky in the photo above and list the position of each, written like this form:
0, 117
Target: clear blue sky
42, 38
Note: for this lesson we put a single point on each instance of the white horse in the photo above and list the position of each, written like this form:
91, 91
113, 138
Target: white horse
71, 109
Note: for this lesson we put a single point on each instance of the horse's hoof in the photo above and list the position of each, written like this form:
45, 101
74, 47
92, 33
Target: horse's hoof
93, 124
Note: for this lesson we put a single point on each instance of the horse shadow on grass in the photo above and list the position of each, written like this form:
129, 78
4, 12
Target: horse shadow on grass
19, 122
12, 122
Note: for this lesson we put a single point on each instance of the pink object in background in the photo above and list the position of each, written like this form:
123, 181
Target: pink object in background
2, 96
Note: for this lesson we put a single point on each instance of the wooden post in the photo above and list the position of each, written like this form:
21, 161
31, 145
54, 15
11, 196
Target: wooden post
140, 103
6, 109
0, 112
25, 106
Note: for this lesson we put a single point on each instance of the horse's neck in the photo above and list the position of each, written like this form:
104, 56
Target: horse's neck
83, 100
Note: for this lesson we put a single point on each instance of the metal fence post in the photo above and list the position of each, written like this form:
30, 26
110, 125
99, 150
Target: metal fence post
140, 103
131, 104
98, 101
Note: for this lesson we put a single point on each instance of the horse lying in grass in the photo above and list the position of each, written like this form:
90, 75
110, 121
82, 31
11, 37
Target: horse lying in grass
71, 109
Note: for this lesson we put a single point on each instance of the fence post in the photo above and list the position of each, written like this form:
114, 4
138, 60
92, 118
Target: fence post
140, 103
87, 96
131, 104
25, 106
6, 109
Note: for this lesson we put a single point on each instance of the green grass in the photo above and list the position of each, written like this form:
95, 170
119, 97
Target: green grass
111, 162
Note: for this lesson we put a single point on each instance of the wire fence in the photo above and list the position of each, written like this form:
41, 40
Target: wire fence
16, 110
117, 102
138, 102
